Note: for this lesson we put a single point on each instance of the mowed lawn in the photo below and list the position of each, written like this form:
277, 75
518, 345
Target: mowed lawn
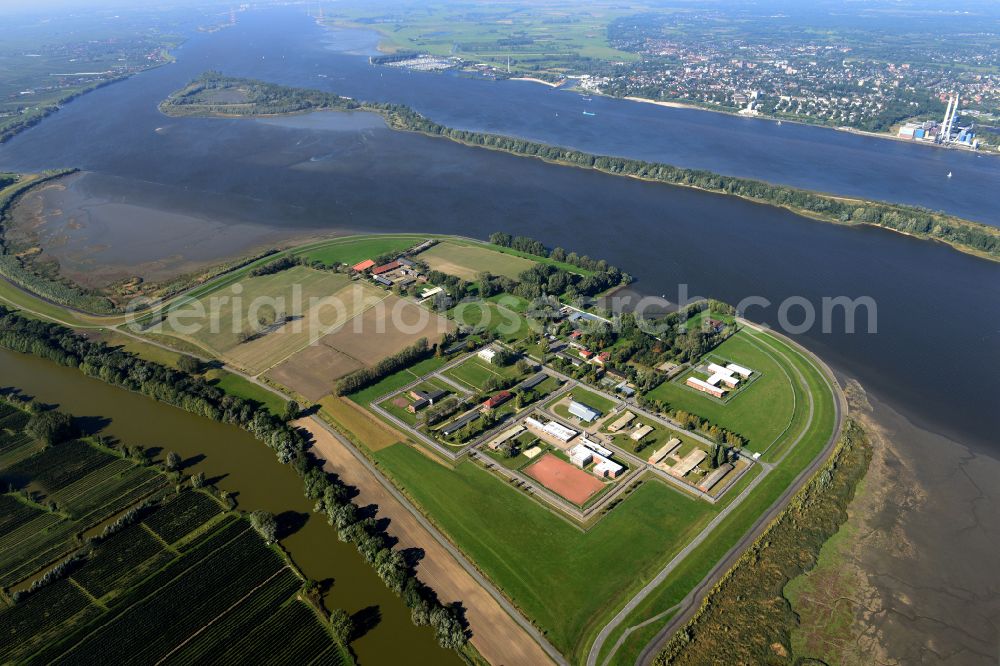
468, 261
560, 576
474, 372
760, 412
509, 325
354, 250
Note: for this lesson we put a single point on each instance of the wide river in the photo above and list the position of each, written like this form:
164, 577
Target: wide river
178, 192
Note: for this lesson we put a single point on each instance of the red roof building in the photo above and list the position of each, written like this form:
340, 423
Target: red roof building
385, 268
363, 266
497, 400
586, 353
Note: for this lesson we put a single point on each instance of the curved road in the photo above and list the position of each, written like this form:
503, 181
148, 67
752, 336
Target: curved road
692, 601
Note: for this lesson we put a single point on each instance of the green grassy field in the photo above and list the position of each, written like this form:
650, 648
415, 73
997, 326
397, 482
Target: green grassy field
474, 372
507, 324
467, 261
547, 566
696, 566
242, 388
588, 398
760, 412
356, 249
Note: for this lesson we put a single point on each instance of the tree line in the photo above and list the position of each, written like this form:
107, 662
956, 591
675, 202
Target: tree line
194, 394
389, 365
908, 219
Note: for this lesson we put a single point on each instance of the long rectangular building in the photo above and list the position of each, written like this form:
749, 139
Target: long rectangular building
460, 423
689, 462
664, 451
716, 475
705, 387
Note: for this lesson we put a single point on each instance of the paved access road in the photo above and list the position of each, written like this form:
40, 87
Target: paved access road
690, 604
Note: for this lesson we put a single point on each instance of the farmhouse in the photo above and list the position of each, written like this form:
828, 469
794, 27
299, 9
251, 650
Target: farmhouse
497, 400
621, 422
712, 479
583, 412
641, 432
460, 423
363, 266
532, 382
664, 451
689, 462
385, 268
383, 280
487, 354
505, 436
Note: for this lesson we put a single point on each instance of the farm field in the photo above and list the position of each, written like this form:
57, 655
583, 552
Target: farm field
543, 563
180, 578
549, 38
305, 295
366, 339
760, 412
84, 484
468, 261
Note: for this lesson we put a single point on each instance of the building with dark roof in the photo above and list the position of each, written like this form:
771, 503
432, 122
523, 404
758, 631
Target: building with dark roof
460, 423
532, 382
385, 268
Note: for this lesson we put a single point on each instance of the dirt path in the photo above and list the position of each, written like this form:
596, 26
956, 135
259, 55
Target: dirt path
495, 633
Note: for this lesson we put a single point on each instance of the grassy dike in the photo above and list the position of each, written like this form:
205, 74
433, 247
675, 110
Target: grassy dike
746, 618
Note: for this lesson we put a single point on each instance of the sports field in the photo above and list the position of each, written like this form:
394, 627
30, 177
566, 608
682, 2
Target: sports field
564, 479
468, 261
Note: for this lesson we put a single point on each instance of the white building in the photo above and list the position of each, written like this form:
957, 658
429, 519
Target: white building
487, 354
583, 412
